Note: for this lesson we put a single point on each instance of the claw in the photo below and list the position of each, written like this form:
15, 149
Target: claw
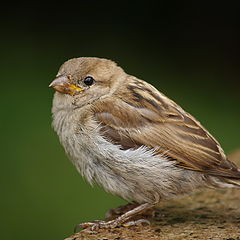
80, 225
86, 225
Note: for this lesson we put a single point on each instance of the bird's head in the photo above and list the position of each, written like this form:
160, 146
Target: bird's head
81, 81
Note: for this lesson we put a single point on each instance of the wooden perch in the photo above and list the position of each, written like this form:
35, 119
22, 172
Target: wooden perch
205, 214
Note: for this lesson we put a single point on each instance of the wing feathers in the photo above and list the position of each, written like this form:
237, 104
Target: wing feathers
146, 117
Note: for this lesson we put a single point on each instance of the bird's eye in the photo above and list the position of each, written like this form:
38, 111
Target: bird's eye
88, 80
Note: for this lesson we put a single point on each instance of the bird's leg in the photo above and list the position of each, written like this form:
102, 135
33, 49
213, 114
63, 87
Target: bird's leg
115, 212
119, 220
131, 213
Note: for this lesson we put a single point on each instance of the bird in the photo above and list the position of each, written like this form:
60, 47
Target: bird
123, 134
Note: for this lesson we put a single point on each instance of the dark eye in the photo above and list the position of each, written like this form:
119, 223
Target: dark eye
88, 80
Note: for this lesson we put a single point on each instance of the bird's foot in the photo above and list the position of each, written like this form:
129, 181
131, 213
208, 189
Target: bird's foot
96, 225
99, 224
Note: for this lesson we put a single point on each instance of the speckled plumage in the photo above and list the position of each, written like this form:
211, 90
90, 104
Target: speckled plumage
132, 140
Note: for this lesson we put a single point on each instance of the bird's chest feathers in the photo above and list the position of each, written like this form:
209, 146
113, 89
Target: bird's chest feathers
82, 142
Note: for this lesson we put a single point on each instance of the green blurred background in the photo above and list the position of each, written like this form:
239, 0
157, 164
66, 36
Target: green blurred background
188, 51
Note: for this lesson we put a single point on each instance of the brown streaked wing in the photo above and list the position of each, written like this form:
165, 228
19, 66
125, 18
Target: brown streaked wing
146, 117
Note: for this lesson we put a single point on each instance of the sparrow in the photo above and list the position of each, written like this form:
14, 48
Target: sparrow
121, 133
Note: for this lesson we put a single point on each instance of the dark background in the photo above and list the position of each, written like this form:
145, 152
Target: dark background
189, 51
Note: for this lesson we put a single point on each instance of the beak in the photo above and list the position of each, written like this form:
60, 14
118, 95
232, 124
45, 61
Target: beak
62, 84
